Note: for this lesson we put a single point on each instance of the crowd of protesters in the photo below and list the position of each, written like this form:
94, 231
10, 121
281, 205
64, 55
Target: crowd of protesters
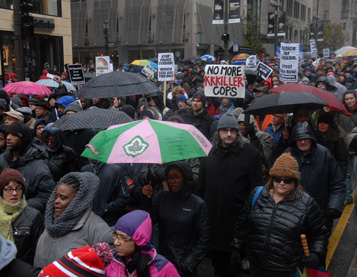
267, 180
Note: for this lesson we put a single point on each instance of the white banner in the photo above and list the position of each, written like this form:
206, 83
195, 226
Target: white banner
264, 70
251, 63
313, 48
166, 65
148, 71
224, 81
326, 52
289, 62
102, 65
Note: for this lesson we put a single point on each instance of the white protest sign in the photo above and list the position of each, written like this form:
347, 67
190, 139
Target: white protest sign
264, 70
313, 48
289, 62
166, 65
251, 63
224, 81
326, 52
102, 65
148, 71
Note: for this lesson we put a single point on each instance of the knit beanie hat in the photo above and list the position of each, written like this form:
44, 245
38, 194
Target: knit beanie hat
285, 166
181, 98
200, 96
74, 107
84, 261
8, 175
228, 120
148, 113
20, 130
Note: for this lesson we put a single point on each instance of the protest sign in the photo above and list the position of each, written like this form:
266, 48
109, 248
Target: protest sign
326, 52
224, 81
76, 74
251, 63
102, 65
166, 64
313, 48
148, 71
264, 70
289, 62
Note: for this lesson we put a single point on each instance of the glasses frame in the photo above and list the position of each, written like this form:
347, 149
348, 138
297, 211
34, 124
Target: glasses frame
287, 181
119, 237
11, 190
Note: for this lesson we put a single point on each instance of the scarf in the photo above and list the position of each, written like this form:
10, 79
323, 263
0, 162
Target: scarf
63, 224
8, 214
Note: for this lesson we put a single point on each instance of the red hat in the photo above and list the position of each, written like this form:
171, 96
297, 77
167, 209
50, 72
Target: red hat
8, 175
65, 73
79, 262
13, 76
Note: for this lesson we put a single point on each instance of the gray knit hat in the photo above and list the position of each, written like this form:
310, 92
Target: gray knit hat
74, 107
228, 120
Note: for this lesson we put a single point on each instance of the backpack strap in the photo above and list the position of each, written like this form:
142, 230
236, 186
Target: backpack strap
259, 190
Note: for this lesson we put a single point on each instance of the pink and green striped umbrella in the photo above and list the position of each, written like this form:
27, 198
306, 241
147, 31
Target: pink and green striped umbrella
147, 141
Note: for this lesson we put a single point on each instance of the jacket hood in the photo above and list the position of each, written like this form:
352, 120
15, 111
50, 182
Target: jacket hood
302, 131
137, 224
57, 133
7, 252
322, 79
332, 81
65, 100
186, 171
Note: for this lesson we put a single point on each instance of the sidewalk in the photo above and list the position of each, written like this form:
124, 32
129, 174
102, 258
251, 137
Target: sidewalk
352, 272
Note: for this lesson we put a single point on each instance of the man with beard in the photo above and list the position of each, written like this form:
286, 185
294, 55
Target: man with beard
28, 159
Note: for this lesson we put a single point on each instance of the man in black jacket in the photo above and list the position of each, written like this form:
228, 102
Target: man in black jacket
198, 116
321, 175
227, 176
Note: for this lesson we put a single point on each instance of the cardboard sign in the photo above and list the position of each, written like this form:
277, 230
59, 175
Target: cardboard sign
166, 64
313, 48
251, 63
76, 75
289, 62
326, 52
224, 81
148, 71
102, 65
264, 70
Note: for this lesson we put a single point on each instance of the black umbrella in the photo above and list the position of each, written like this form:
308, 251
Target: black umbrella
115, 84
92, 118
285, 102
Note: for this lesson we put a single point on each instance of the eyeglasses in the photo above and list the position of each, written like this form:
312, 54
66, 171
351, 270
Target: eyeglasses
120, 238
176, 178
11, 190
287, 181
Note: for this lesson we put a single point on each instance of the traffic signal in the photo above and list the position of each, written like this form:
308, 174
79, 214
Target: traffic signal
225, 37
27, 21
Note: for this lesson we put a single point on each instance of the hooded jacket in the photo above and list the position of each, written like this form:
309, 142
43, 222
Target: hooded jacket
137, 224
64, 101
183, 223
61, 159
31, 164
201, 121
321, 175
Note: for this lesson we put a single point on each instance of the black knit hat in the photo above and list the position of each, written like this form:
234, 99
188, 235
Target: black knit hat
42, 103
20, 130
201, 97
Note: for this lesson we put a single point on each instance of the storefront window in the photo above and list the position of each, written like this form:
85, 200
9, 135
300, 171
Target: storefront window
48, 7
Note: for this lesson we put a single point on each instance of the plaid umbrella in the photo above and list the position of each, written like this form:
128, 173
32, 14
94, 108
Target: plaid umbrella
92, 118
115, 84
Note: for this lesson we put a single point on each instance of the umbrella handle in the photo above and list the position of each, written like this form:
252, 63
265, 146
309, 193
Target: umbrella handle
304, 245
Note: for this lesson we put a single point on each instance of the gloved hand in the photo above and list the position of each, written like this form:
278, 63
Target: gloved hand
333, 214
312, 261
236, 260
249, 130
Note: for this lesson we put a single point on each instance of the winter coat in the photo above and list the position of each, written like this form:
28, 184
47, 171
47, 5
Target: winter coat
89, 230
183, 225
226, 178
159, 266
262, 125
113, 193
27, 229
202, 121
38, 178
271, 232
347, 121
61, 159
321, 175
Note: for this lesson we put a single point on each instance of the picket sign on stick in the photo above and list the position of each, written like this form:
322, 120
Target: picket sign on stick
304, 245
165, 93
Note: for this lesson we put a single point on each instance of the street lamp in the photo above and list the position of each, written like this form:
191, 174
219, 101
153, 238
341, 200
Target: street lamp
276, 5
106, 36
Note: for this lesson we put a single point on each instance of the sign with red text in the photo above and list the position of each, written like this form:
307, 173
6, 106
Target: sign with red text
224, 81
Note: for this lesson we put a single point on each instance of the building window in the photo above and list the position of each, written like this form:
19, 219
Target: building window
308, 15
289, 7
49, 7
303, 13
296, 10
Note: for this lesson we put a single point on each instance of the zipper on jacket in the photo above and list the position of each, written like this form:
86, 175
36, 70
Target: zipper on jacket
267, 239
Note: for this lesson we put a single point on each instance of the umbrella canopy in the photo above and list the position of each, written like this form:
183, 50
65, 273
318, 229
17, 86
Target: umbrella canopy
28, 88
92, 118
240, 57
115, 84
148, 141
351, 53
208, 58
144, 62
53, 84
344, 49
284, 103
333, 102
